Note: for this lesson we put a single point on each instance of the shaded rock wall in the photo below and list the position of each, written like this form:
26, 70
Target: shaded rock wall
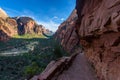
25, 25
66, 32
3, 36
97, 29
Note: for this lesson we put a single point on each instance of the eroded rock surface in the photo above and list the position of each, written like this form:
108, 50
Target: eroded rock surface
6, 30
97, 29
3, 14
27, 25
11, 26
66, 32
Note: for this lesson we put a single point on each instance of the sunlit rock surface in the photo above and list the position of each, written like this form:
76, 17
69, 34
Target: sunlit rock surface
3, 14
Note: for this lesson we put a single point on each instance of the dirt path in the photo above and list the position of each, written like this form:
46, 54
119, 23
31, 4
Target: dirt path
79, 70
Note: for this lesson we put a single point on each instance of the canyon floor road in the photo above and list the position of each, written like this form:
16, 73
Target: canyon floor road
79, 70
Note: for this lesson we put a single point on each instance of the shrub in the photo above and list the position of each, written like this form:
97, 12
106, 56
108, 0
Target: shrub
59, 51
31, 70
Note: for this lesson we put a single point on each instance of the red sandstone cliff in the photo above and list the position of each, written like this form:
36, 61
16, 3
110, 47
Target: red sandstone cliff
6, 29
97, 29
3, 14
19, 25
27, 25
66, 32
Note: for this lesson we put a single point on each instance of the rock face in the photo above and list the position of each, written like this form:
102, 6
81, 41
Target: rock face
6, 29
3, 36
27, 25
66, 32
19, 26
8, 26
97, 29
3, 14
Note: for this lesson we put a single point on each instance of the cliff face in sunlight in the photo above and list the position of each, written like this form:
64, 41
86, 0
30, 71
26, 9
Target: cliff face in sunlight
7, 29
95, 24
19, 26
3, 14
27, 25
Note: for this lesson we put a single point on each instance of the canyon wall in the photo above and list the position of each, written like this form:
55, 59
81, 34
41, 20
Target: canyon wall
8, 27
95, 24
66, 32
11, 26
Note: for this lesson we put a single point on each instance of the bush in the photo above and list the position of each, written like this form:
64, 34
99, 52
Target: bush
59, 51
31, 70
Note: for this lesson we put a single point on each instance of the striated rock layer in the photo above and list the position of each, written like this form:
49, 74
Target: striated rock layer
97, 29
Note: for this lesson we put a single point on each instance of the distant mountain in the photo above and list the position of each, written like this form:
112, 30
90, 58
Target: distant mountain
27, 25
3, 14
10, 26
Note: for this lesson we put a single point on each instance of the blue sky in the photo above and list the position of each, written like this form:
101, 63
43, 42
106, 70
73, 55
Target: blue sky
50, 13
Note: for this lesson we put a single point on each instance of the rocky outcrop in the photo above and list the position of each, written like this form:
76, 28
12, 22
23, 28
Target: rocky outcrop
4, 30
13, 23
20, 26
10, 26
3, 14
27, 25
7, 28
97, 29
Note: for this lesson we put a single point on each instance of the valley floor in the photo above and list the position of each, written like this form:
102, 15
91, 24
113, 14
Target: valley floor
22, 58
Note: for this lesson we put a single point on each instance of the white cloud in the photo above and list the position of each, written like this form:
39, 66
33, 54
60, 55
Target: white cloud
51, 25
55, 17
62, 19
